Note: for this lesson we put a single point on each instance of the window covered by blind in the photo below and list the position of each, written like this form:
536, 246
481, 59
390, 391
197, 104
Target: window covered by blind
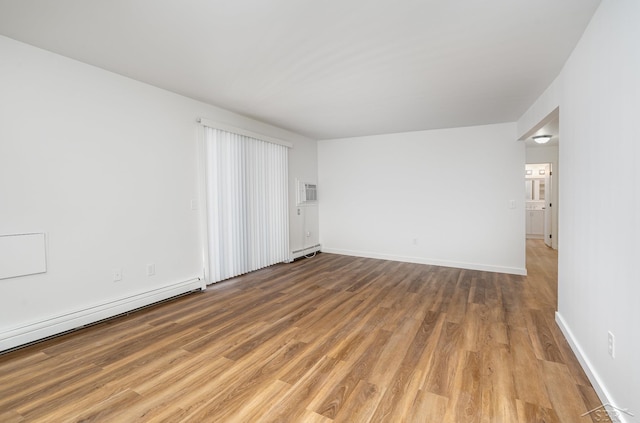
247, 203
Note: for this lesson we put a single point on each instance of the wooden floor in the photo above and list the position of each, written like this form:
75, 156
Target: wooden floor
332, 338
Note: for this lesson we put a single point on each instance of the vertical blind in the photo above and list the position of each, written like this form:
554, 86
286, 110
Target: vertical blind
247, 203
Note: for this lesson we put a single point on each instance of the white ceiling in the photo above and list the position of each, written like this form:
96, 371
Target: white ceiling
325, 69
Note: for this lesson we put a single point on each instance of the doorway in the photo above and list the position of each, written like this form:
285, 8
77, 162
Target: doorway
538, 202
541, 194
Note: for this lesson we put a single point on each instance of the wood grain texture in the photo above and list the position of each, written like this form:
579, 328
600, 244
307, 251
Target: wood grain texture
328, 339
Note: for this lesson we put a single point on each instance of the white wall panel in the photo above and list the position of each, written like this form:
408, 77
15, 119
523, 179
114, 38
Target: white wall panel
22, 255
439, 197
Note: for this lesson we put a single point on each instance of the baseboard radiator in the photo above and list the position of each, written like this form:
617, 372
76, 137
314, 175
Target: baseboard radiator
56, 325
305, 251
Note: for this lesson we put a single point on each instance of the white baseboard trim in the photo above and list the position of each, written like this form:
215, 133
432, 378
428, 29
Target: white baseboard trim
592, 374
55, 325
433, 262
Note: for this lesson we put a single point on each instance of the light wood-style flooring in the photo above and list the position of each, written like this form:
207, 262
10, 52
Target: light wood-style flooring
327, 339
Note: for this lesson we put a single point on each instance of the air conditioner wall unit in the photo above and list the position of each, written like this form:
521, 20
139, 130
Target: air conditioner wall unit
307, 194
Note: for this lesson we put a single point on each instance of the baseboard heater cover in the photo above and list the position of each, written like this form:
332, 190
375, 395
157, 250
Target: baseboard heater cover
304, 251
43, 329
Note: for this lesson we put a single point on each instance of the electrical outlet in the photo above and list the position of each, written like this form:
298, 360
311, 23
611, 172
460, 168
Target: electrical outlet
151, 269
612, 345
117, 275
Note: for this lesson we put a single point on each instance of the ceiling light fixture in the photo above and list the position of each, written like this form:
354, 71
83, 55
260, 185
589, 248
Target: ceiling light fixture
542, 139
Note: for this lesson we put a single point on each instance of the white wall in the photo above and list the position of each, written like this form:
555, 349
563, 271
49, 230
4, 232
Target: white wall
549, 154
107, 168
598, 93
304, 231
447, 189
